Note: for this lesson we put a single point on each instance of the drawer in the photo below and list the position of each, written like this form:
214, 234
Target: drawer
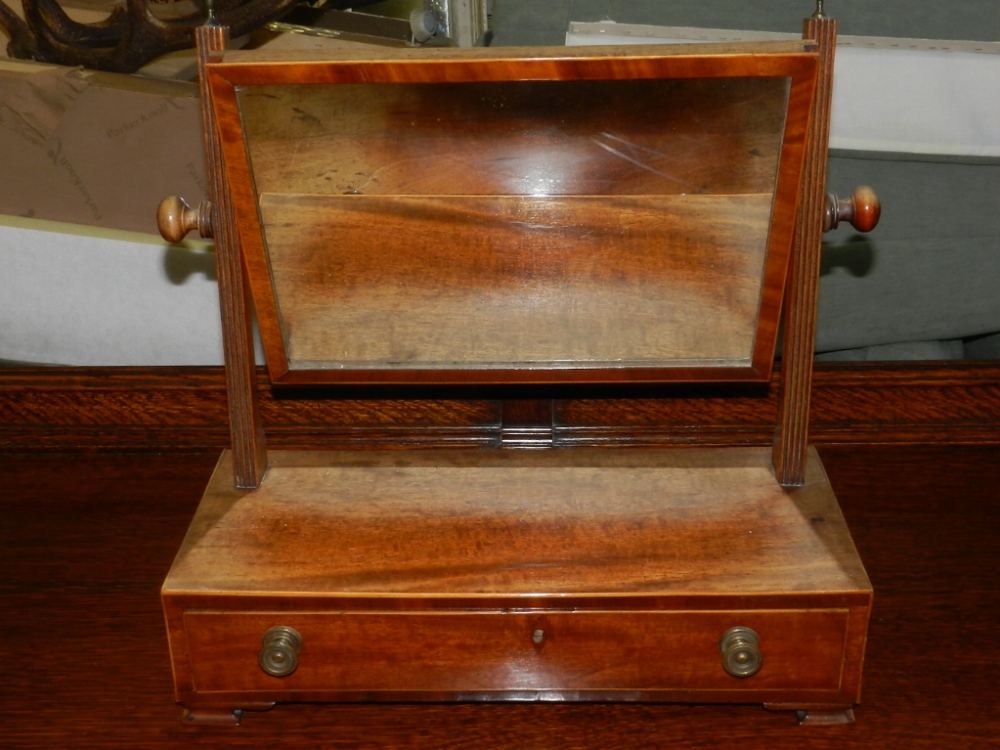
476, 651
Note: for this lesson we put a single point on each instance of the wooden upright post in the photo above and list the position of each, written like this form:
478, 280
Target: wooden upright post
803, 279
245, 426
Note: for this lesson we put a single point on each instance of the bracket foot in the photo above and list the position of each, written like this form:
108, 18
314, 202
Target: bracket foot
216, 717
219, 716
816, 715
825, 718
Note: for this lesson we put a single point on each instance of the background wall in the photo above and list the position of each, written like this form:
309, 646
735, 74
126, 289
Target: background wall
532, 22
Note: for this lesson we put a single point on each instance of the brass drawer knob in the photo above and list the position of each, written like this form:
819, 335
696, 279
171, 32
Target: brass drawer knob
741, 654
279, 656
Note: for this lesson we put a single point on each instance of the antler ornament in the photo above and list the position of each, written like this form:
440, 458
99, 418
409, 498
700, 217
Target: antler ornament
128, 38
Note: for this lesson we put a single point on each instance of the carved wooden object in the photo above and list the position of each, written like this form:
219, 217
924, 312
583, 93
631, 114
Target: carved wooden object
507, 219
131, 36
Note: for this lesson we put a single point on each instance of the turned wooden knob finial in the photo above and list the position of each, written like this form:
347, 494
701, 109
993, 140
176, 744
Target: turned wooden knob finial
175, 218
862, 210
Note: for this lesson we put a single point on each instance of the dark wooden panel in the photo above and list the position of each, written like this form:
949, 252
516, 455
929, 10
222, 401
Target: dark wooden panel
857, 403
185, 408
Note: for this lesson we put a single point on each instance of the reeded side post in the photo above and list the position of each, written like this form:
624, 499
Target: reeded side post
802, 287
245, 425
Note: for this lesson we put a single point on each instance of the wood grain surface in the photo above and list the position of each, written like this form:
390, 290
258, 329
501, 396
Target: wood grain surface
536, 137
182, 408
555, 164
423, 576
87, 539
398, 282
802, 291
662, 656
513, 527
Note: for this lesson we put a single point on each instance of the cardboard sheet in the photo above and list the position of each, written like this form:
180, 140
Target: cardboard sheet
97, 149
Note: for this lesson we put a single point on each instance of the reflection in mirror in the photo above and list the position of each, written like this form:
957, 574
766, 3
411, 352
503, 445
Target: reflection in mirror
527, 223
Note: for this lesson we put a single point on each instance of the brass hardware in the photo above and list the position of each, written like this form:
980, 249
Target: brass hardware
819, 10
741, 654
279, 656
538, 636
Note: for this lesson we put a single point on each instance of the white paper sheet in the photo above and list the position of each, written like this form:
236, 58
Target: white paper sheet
889, 95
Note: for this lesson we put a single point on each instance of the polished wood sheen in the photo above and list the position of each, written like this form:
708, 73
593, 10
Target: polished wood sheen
541, 138
538, 215
510, 525
524, 217
516, 282
87, 537
862, 210
661, 655
175, 219
582, 575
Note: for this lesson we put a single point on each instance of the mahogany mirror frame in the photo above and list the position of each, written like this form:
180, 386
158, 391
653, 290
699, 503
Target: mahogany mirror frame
227, 72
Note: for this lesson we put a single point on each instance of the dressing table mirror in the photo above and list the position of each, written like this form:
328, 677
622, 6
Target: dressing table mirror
518, 219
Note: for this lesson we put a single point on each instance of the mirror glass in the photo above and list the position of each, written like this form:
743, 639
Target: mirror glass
517, 223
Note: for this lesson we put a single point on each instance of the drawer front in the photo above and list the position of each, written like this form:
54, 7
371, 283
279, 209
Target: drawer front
470, 652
